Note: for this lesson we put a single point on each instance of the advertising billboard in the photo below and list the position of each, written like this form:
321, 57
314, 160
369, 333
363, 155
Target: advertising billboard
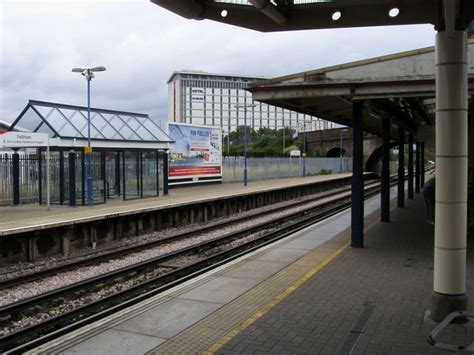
197, 154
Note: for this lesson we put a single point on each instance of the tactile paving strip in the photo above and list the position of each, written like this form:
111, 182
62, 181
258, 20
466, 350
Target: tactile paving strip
212, 332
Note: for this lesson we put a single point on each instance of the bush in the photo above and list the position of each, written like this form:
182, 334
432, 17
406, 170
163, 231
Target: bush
325, 172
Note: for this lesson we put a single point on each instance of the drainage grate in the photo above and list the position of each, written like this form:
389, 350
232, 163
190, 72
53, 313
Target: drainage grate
358, 328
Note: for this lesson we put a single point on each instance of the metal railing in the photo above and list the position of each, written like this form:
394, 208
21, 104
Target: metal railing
258, 169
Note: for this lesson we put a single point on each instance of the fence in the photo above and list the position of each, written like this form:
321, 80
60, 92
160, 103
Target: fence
28, 179
258, 169
275, 168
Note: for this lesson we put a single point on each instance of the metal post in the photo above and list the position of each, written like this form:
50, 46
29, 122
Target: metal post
304, 150
422, 162
124, 177
283, 139
48, 178
88, 149
137, 160
61, 177
449, 287
141, 173
410, 166
401, 167
40, 178
83, 178
417, 168
72, 178
157, 162
340, 150
16, 177
165, 173
117, 173
357, 212
245, 145
103, 174
385, 194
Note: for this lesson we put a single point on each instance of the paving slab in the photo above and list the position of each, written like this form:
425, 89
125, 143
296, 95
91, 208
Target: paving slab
219, 290
169, 318
256, 270
283, 255
116, 342
305, 243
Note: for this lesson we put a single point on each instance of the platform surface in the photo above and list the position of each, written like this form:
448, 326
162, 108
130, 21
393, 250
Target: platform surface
309, 293
34, 216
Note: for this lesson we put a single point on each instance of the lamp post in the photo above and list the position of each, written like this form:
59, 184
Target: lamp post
304, 148
244, 106
340, 150
88, 73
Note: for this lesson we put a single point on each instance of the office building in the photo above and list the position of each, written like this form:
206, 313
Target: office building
197, 97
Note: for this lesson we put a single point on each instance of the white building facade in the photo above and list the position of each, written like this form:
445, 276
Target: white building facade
197, 97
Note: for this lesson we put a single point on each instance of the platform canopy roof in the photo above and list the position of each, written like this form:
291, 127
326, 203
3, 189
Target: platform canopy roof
290, 15
401, 85
67, 125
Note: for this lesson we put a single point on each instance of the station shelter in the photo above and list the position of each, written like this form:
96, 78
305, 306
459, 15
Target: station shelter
129, 158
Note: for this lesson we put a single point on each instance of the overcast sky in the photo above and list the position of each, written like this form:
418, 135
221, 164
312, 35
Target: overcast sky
141, 44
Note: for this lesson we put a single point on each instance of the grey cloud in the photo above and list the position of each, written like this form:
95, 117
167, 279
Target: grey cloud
142, 44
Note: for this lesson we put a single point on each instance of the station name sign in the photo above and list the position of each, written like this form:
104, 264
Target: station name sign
22, 139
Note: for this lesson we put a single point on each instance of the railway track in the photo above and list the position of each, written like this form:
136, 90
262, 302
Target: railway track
147, 278
120, 252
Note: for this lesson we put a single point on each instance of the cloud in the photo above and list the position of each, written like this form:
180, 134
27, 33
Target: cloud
141, 44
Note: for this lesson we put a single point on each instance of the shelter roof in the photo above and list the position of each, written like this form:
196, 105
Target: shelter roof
400, 85
290, 15
68, 122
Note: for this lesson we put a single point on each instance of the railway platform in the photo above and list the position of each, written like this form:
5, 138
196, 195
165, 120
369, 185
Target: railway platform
308, 293
28, 216
29, 232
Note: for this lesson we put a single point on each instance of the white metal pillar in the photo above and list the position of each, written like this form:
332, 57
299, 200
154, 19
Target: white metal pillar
451, 175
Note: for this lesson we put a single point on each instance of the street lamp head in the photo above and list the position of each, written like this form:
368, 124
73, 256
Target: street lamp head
98, 69
88, 72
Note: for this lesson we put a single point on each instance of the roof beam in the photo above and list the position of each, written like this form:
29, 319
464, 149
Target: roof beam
270, 10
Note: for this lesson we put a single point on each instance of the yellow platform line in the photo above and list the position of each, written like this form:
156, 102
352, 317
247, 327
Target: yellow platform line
280, 297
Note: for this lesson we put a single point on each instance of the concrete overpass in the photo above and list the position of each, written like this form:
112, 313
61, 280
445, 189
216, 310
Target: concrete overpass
392, 106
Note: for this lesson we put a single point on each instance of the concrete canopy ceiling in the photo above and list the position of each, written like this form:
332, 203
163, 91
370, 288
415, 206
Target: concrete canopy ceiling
290, 15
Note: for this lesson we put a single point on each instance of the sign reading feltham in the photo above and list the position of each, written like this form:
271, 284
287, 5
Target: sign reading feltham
196, 155
22, 139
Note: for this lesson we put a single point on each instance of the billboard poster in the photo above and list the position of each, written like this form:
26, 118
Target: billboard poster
197, 154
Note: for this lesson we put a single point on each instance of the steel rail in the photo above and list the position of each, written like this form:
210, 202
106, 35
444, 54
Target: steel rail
21, 279
99, 307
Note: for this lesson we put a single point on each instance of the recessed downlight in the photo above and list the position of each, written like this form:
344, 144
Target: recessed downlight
224, 13
394, 12
336, 15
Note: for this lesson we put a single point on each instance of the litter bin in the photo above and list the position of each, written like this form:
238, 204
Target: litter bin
429, 195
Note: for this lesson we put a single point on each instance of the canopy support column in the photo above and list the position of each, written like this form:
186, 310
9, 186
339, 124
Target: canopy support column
357, 221
417, 168
410, 166
401, 168
422, 164
385, 194
451, 175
